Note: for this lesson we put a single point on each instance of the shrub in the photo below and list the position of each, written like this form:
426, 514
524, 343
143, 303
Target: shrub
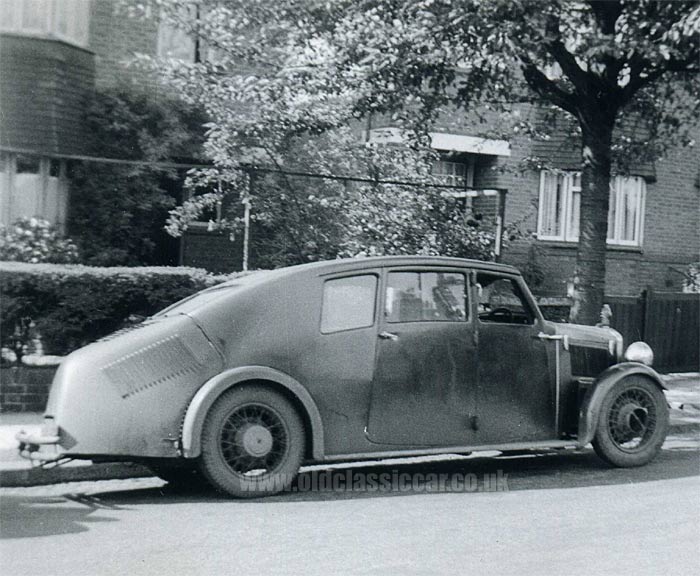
117, 212
35, 240
71, 305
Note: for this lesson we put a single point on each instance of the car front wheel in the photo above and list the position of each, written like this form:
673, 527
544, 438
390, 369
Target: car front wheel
252, 442
632, 423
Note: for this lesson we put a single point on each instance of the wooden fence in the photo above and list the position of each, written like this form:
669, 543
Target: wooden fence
669, 322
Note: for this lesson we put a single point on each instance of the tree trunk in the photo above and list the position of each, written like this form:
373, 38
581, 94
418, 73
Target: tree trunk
589, 275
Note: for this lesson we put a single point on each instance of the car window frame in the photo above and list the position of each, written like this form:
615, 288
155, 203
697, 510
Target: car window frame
525, 291
466, 272
350, 274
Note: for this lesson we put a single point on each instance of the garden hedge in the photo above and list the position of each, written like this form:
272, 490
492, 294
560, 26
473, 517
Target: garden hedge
69, 306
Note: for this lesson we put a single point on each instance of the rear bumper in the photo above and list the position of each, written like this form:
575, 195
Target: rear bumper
42, 447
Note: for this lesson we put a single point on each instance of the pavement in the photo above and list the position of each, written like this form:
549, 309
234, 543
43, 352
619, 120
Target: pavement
683, 396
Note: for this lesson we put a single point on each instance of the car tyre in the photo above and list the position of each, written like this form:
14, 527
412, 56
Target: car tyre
632, 423
253, 442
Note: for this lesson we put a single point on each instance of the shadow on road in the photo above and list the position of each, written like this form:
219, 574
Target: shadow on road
26, 516
538, 471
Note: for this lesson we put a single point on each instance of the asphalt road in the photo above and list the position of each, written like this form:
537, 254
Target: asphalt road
546, 514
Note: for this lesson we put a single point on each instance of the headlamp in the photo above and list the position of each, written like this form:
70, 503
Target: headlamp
640, 352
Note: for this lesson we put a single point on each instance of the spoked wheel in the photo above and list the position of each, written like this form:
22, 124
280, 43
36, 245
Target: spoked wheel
252, 442
632, 424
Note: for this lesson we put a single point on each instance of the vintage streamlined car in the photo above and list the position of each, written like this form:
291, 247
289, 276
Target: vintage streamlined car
349, 359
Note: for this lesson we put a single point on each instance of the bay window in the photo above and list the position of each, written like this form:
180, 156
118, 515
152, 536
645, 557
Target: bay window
64, 19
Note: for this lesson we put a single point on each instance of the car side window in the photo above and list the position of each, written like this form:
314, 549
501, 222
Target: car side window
501, 300
348, 303
426, 297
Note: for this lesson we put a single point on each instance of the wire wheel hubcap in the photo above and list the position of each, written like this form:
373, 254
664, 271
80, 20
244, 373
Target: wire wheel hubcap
632, 419
253, 440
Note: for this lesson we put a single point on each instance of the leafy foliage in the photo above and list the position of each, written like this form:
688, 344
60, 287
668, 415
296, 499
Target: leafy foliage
280, 68
691, 282
299, 219
70, 306
35, 240
117, 212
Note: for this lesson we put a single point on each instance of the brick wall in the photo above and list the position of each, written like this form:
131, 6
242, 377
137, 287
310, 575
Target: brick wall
212, 251
25, 389
116, 39
45, 82
671, 227
43, 90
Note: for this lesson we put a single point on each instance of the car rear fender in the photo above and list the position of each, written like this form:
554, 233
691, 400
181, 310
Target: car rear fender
590, 407
207, 395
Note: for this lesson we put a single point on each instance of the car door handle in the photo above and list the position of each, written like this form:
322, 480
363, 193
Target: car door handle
388, 336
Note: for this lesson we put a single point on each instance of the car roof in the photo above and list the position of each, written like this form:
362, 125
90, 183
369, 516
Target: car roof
363, 263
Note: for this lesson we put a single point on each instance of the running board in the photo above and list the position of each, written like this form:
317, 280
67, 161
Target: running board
452, 450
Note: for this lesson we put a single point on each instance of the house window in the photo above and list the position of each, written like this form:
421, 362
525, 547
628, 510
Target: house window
560, 203
32, 186
64, 19
455, 173
626, 215
560, 207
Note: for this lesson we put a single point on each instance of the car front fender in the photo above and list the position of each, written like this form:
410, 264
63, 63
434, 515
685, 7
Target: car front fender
590, 407
209, 392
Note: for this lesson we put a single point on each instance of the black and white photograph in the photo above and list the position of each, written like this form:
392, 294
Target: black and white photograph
349, 287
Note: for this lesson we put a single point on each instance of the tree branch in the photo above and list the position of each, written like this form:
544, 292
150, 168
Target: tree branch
639, 81
547, 88
606, 14
554, 45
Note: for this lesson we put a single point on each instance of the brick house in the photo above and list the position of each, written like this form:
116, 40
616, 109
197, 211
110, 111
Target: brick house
654, 218
52, 55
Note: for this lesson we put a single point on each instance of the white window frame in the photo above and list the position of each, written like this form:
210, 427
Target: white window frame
15, 10
571, 182
569, 211
44, 201
616, 203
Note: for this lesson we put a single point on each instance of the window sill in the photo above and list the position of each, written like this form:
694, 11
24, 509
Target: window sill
574, 245
558, 243
624, 248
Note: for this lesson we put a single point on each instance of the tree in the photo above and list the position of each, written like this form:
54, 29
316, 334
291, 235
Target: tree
298, 219
263, 130
117, 211
308, 67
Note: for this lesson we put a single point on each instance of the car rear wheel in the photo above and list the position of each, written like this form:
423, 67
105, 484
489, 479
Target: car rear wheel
252, 442
632, 423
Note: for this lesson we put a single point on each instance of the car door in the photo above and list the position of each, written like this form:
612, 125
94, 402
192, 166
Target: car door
424, 385
516, 370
